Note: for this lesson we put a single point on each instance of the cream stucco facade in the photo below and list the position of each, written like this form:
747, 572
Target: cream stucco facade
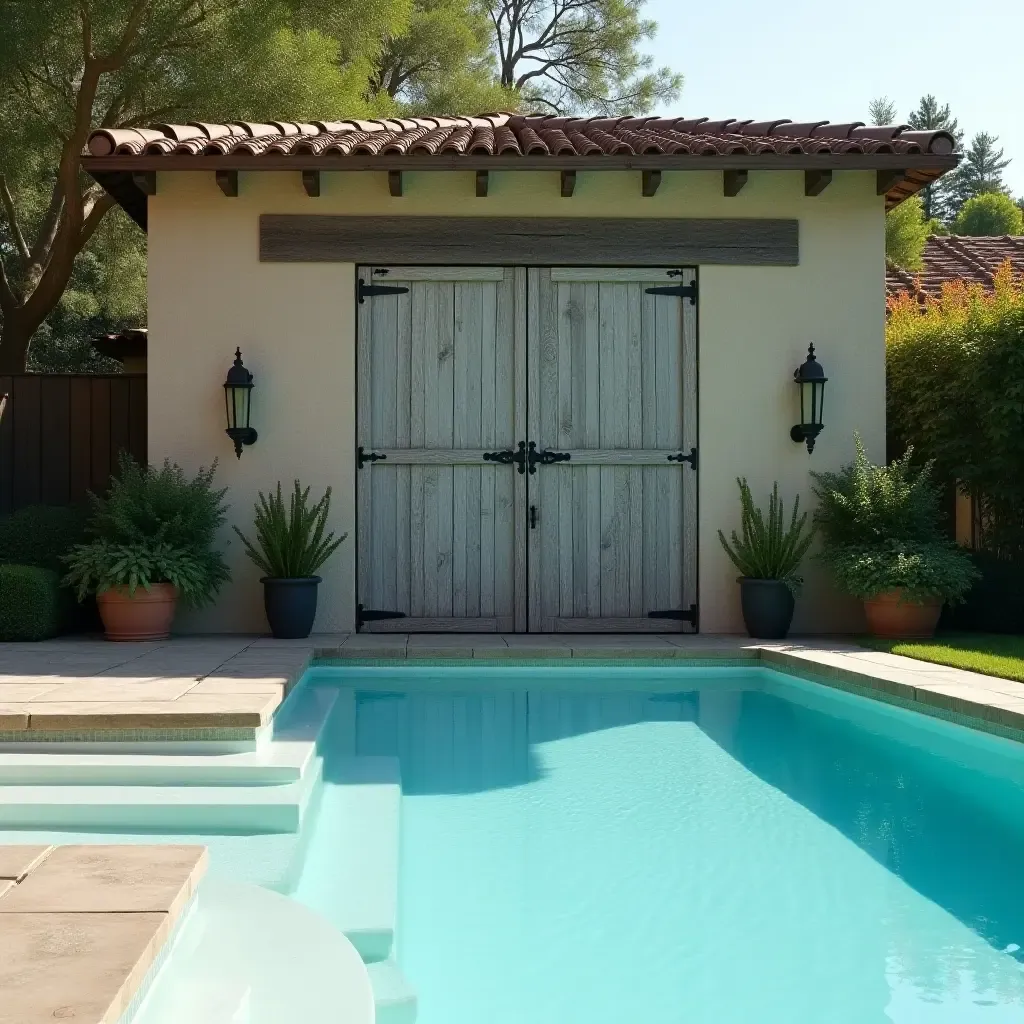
295, 324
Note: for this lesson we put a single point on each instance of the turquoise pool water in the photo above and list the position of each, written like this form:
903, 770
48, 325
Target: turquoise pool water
692, 847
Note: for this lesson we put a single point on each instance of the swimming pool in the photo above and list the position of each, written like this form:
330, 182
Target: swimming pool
603, 843
597, 845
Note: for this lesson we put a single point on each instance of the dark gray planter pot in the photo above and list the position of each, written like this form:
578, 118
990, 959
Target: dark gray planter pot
767, 608
290, 605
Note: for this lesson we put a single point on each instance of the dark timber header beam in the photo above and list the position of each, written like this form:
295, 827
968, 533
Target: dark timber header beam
887, 180
650, 241
733, 182
227, 182
815, 182
145, 182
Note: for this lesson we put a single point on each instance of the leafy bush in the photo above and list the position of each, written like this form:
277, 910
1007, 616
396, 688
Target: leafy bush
290, 543
30, 604
881, 527
768, 551
991, 213
41, 535
154, 526
956, 394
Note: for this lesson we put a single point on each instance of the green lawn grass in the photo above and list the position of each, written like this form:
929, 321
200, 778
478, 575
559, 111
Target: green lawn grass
994, 654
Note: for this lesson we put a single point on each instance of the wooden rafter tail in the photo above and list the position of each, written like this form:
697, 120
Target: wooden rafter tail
568, 184
145, 182
651, 180
733, 182
815, 182
311, 183
887, 180
395, 183
227, 182
482, 181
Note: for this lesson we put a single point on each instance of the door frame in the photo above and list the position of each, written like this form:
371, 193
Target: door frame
521, 342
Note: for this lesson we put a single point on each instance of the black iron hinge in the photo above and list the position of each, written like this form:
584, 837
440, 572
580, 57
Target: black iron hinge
683, 291
680, 457
363, 457
372, 614
683, 614
363, 289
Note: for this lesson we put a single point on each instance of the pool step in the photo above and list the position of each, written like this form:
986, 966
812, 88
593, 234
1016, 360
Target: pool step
351, 869
393, 996
263, 808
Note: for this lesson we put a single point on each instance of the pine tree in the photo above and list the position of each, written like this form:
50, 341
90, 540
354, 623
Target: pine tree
882, 110
981, 171
930, 116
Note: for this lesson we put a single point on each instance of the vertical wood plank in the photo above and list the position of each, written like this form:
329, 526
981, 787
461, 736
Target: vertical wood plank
55, 440
403, 478
120, 427
7, 448
520, 496
138, 427
365, 527
80, 440
101, 466
691, 480
530, 350
26, 413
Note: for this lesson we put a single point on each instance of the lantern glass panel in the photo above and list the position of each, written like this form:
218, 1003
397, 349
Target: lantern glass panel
241, 406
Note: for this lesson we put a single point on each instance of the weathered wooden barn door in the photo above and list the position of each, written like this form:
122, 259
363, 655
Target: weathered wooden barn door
612, 411
441, 406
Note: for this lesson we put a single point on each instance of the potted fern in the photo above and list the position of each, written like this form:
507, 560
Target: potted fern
884, 543
151, 546
767, 555
291, 544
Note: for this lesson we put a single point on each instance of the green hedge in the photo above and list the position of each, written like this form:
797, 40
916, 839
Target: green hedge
956, 393
30, 603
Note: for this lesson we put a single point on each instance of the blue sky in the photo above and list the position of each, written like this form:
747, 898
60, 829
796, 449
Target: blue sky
806, 60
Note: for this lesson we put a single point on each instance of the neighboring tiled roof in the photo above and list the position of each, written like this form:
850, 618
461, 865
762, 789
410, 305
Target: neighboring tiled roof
906, 160
973, 259
517, 135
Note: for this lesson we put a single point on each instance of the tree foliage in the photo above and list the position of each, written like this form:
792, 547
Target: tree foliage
568, 56
956, 393
992, 213
930, 115
882, 110
69, 65
906, 232
981, 171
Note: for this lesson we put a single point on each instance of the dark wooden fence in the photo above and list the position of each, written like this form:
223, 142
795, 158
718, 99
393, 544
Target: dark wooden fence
60, 435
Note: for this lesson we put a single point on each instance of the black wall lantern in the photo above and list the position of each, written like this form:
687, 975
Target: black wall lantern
237, 401
810, 379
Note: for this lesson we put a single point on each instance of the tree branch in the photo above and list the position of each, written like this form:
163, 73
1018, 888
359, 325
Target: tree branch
99, 207
8, 300
12, 218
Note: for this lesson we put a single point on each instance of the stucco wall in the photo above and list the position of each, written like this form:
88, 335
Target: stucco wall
295, 323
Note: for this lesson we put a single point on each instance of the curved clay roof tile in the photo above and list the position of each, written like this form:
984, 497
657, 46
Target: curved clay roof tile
505, 140
834, 131
159, 147
457, 141
482, 143
878, 132
180, 132
762, 127
216, 131
531, 143
583, 145
105, 141
193, 147
256, 128
431, 142
373, 143
796, 130
403, 141
557, 141
931, 142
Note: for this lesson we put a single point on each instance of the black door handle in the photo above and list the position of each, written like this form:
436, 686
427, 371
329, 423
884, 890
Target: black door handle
533, 517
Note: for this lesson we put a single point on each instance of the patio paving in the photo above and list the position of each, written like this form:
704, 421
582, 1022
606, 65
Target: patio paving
81, 926
213, 686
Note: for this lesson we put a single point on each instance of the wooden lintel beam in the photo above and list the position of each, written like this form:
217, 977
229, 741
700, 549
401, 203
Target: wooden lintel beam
145, 182
733, 182
887, 180
568, 184
227, 182
651, 181
311, 183
815, 182
481, 183
395, 182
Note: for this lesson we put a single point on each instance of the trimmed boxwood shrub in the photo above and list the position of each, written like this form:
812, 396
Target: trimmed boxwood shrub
41, 536
30, 603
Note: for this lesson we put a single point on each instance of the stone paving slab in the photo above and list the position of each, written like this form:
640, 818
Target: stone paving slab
82, 926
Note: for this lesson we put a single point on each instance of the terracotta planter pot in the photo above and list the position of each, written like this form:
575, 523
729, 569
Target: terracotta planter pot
891, 615
146, 615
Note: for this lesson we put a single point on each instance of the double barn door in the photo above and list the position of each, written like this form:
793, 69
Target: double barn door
526, 449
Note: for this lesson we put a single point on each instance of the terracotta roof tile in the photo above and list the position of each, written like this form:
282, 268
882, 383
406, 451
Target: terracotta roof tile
972, 259
489, 134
